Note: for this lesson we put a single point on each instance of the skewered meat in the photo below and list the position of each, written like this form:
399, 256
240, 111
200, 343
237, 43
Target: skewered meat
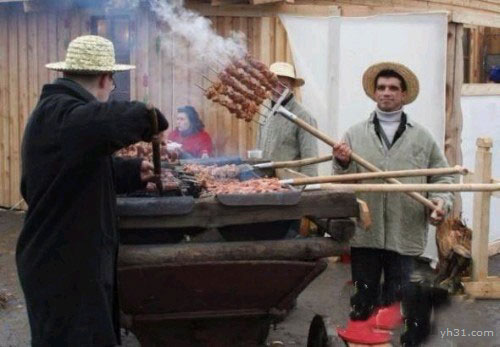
242, 87
269, 82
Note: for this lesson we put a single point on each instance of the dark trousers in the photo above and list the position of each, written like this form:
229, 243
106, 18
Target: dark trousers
367, 266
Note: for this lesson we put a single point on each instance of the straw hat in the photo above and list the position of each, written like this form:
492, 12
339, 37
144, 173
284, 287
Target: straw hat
90, 54
412, 86
286, 70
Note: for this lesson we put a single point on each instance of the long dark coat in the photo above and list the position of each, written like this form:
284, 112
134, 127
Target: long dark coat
66, 252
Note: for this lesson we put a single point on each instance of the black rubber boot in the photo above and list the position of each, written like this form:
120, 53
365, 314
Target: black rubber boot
362, 302
417, 309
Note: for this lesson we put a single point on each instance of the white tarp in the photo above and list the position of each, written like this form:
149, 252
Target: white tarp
332, 53
481, 117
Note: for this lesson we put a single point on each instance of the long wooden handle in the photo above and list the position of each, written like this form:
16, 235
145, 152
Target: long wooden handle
371, 175
294, 163
423, 187
364, 163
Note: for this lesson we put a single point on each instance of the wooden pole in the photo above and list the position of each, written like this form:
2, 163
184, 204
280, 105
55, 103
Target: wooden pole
294, 163
481, 211
310, 248
367, 165
472, 187
372, 175
454, 81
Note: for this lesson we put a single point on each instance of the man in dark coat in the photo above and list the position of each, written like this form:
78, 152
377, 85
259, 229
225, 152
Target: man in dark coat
67, 251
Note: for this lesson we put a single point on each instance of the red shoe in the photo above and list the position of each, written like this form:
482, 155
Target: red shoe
359, 331
389, 317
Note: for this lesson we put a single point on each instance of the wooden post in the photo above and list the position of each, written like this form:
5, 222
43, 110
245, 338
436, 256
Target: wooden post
454, 81
481, 211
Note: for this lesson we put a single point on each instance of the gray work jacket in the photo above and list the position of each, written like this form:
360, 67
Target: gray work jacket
400, 223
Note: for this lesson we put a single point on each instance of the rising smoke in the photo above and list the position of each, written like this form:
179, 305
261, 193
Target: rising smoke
183, 27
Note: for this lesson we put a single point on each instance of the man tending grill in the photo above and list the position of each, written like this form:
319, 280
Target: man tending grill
66, 253
281, 139
391, 140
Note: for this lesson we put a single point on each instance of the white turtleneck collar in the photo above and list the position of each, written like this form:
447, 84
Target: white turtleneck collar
389, 121
393, 116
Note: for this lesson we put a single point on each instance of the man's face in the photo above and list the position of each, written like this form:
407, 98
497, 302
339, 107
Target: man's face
284, 82
105, 87
389, 94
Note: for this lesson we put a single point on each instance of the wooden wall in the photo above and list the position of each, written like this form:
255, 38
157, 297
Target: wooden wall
27, 42
30, 40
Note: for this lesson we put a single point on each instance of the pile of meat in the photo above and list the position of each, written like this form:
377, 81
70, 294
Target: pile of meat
242, 87
168, 181
142, 150
222, 180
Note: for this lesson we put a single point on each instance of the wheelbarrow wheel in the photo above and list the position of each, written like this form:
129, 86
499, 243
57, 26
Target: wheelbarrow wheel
322, 334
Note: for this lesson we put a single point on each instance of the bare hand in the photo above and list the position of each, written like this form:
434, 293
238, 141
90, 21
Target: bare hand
147, 174
438, 214
342, 153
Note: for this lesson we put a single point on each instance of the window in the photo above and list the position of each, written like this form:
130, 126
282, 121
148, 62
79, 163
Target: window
481, 52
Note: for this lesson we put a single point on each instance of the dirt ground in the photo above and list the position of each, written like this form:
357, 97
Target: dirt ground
328, 295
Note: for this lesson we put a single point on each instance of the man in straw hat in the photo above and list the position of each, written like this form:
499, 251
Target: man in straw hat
390, 140
280, 139
66, 253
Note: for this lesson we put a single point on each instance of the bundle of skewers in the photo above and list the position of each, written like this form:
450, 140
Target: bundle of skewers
243, 86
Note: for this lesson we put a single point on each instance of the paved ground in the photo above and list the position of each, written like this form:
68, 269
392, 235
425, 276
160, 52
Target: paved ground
327, 295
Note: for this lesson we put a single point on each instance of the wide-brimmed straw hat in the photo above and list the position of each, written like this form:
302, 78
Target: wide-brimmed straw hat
412, 86
286, 70
90, 54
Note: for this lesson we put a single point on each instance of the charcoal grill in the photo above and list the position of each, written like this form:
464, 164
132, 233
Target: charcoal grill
179, 293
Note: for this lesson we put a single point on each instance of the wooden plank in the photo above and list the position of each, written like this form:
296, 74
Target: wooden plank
489, 289
63, 34
253, 45
319, 10
481, 211
280, 41
13, 128
24, 101
154, 56
489, 20
225, 2
52, 43
262, 2
243, 127
476, 74
142, 61
74, 24
42, 37
167, 73
4, 108
33, 89
265, 40
237, 126
84, 22
209, 213
230, 122
476, 89
454, 79
133, 54
213, 109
